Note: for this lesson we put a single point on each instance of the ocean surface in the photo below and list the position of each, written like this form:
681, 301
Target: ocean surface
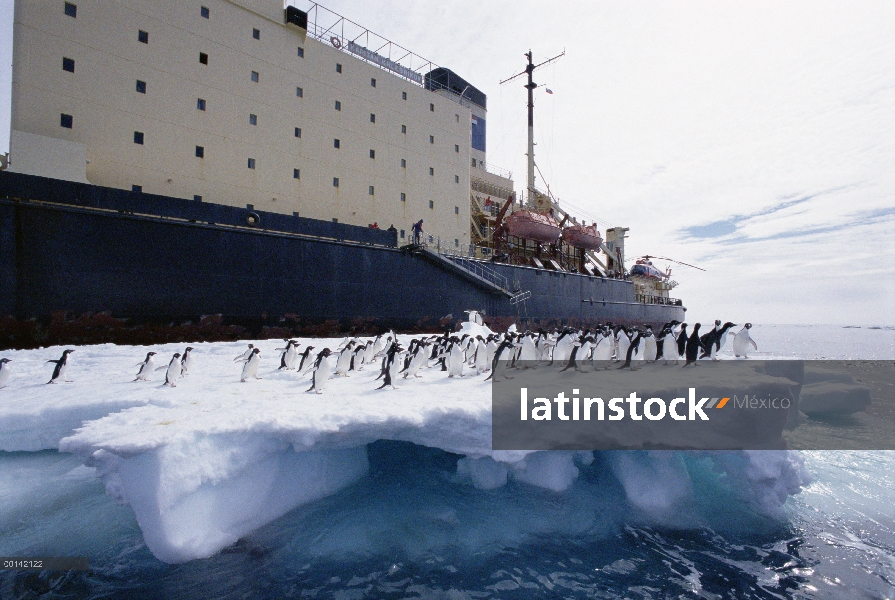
410, 530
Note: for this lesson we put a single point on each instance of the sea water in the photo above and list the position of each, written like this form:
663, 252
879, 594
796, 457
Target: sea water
410, 529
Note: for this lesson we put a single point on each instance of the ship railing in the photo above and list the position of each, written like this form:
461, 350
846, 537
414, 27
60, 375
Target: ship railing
493, 169
661, 300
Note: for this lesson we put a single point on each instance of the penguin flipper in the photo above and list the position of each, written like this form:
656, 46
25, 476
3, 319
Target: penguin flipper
54, 361
754, 345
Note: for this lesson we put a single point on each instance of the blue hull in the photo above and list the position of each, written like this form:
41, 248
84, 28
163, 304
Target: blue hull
149, 260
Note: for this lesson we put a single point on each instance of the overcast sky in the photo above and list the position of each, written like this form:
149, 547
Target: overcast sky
753, 139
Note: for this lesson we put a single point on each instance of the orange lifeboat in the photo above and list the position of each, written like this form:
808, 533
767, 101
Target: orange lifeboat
531, 225
582, 236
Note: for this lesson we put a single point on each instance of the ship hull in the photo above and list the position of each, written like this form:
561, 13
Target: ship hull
61, 260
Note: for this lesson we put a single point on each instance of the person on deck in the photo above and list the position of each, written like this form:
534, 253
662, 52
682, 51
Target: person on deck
418, 232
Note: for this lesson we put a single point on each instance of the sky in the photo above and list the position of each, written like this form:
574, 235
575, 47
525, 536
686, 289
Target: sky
754, 140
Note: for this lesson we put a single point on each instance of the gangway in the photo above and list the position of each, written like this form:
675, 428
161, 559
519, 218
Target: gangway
470, 269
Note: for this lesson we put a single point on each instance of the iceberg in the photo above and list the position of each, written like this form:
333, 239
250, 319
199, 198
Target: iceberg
208, 462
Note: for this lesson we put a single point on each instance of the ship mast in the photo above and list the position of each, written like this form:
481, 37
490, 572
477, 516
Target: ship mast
531, 85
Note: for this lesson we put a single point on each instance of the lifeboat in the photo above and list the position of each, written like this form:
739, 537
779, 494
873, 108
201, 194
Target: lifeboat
581, 236
645, 269
531, 225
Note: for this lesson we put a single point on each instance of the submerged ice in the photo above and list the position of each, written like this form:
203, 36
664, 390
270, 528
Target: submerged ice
212, 460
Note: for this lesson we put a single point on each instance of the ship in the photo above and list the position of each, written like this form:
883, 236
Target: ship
85, 262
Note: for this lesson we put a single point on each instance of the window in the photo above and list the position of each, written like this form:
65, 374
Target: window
372, 153
338, 68
372, 118
71, 10
253, 119
299, 92
403, 163
402, 233
68, 64
457, 118
431, 204
298, 132
403, 128
456, 179
255, 76
301, 52
403, 197
403, 95
296, 173
251, 163
203, 58
431, 107
338, 105
200, 103
336, 220
372, 82
371, 190
197, 198
204, 12
256, 33
337, 143
335, 184
141, 87
137, 188
431, 139
456, 210
138, 137
65, 121
200, 152
456, 147
473, 163
431, 170
143, 36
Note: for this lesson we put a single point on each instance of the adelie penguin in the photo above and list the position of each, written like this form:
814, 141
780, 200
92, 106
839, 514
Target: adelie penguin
392, 366
633, 349
290, 353
304, 358
245, 354
743, 342
4, 371
186, 361
502, 354
682, 342
250, 368
713, 341
175, 369
321, 370
694, 345
650, 346
146, 367
61, 368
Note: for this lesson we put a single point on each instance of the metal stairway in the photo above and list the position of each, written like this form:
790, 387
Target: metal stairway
467, 268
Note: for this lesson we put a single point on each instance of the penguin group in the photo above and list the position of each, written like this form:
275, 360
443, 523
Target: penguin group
460, 355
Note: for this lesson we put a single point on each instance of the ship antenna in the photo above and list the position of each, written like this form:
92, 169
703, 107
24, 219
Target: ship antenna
531, 85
